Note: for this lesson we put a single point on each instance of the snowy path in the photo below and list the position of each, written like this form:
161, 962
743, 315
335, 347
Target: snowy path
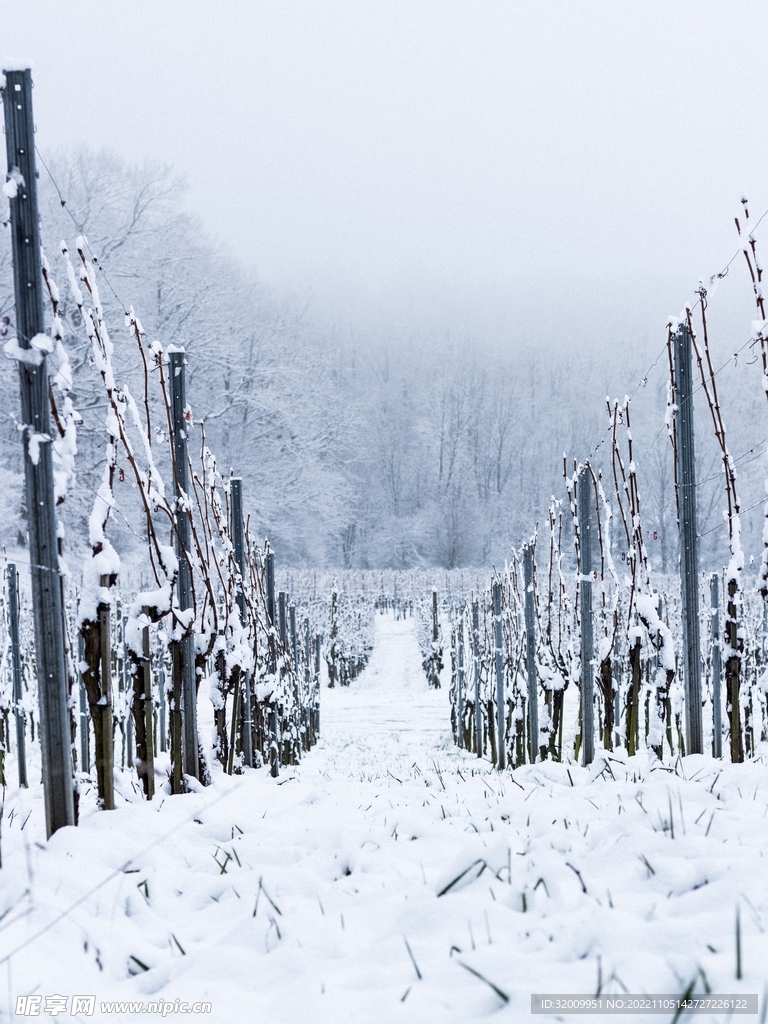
390, 877
388, 717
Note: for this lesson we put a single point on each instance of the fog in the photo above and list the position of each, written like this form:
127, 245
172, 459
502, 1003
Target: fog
421, 228
508, 169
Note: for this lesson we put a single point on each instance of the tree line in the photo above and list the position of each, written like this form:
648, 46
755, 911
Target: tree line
381, 446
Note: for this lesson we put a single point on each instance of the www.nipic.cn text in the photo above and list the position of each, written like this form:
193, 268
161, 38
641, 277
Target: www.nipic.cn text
34, 1006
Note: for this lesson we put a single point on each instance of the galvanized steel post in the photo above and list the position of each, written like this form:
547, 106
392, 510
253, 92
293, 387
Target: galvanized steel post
585, 502
50, 653
501, 718
717, 669
530, 654
185, 664
689, 554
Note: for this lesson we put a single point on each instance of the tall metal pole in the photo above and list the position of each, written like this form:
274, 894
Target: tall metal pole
248, 719
617, 669
161, 724
18, 711
307, 702
84, 726
50, 655
307, 653
476, 659
434, 677
501, 717
585, 503
281, 617
238, 542
460, 680
273, 747
185, 664
530, 654
103, 711
717, 669
318, 653
689, 555
296, 685
294, 640
238, 539
281, 603
147, 707
127, 691
270, 607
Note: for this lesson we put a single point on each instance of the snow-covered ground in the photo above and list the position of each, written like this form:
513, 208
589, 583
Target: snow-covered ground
391, 877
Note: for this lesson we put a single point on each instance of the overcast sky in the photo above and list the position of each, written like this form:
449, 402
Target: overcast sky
575, 164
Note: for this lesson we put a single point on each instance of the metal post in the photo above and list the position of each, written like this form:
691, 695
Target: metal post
238, 539
733, 670
161, 725
84, 725
434, 677
294, 646
127, 688
185, 664
306, 702
617, 669
585, 502
476, 653
273, 749
281, 609
281, 617
530, 655
307, 653
717, 669
271, 608
105, 764
296, 685
18, 711
460, 660
318, 654
248, 719
238, 542
332, 659
689, 556
147, 708
50, 653
501, 742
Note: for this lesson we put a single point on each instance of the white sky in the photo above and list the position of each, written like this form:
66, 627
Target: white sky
581, 161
